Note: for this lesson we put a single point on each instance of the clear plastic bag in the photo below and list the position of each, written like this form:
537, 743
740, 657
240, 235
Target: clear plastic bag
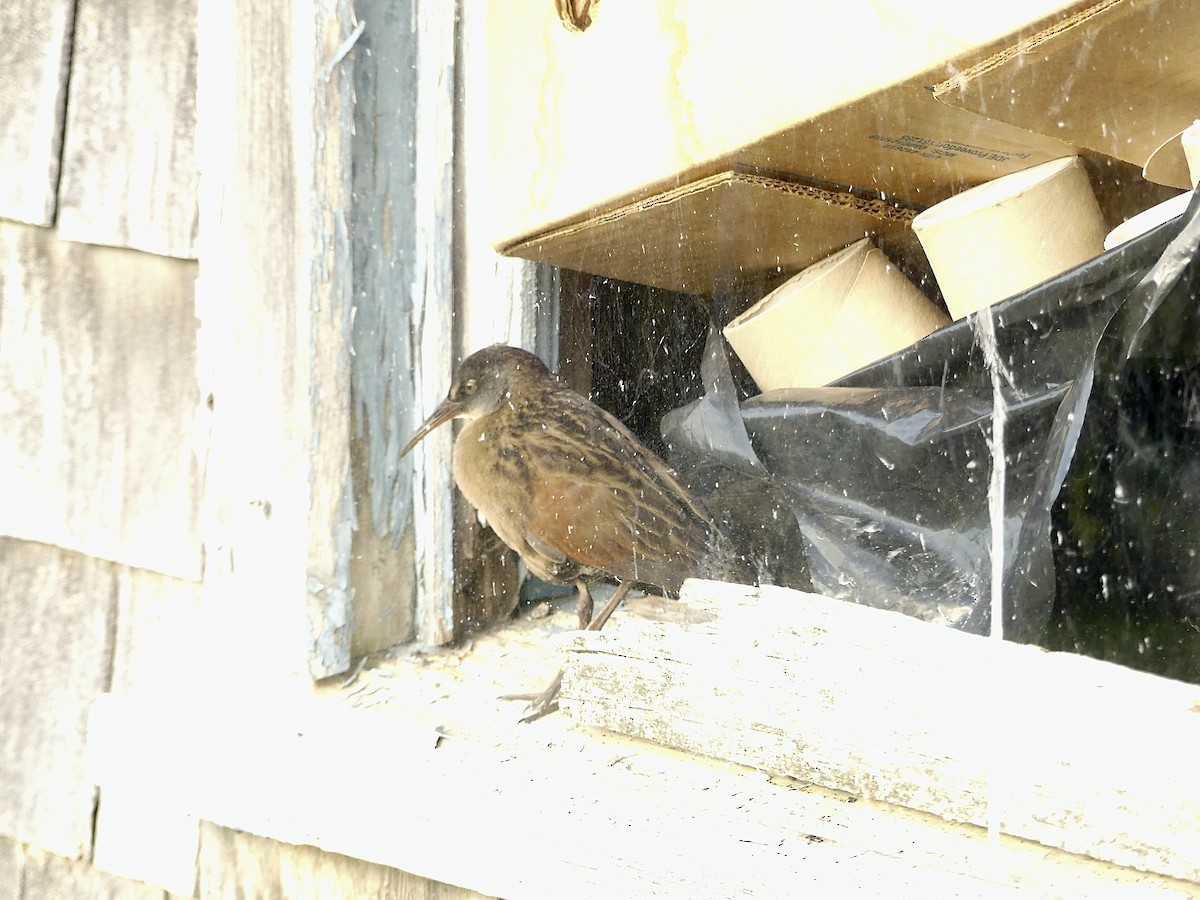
886, 472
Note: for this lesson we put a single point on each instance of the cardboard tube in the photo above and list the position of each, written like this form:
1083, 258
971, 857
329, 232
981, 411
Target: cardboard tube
1176, 162
999, 238
839, 314
1191, 152
1147, 219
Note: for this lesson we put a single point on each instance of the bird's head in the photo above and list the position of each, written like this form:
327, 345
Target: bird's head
484, 381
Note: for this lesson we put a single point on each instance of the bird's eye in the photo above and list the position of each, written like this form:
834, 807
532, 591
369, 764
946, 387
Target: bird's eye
471, 386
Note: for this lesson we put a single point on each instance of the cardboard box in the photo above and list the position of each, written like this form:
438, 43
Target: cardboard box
645, 146
1119, 77
705, 234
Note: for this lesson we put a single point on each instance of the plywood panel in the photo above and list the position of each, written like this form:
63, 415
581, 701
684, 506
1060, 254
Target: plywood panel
129, 173
98, 397
236, 864
574, 131
57, 612
34, 56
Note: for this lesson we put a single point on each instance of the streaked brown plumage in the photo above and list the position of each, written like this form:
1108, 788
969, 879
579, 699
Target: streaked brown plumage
564, 483
569, 487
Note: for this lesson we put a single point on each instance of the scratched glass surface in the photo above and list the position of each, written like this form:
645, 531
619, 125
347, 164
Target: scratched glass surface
1028, 465
885, 488
1030, 470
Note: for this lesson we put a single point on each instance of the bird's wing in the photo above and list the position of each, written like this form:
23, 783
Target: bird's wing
551, 554
615, 435
609, 530
593, 494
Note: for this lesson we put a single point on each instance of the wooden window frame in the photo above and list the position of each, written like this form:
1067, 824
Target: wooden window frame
511, 812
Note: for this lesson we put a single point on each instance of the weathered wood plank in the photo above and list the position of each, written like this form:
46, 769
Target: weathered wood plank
140, 839
401, 215
164, 640
541, 810
1068, 751
433, 504
273, 114
12, 868
49, 877
322, 130
404, 81
34, 58
57, 613
98, 397
129, 174
382, 575
236, 864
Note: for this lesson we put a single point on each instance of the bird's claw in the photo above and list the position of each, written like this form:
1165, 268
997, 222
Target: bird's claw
537, 710
539, 704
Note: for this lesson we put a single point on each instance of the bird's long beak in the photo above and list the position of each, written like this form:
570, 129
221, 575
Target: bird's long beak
446, 411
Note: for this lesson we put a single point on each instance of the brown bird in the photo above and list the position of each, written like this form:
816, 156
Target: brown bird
568, 487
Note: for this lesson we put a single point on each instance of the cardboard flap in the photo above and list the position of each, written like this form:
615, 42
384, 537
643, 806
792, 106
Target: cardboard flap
718, 230
1120, 78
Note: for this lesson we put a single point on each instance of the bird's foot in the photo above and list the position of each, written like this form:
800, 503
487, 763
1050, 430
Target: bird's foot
540, 704
547, 701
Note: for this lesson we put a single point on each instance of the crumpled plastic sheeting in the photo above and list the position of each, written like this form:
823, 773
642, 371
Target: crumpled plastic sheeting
886, 472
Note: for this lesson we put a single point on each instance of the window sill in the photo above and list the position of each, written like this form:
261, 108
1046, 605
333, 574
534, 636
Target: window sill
418, 766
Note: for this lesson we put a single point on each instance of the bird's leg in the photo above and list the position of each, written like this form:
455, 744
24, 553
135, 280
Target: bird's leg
547, 701
610, 607
583, 605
